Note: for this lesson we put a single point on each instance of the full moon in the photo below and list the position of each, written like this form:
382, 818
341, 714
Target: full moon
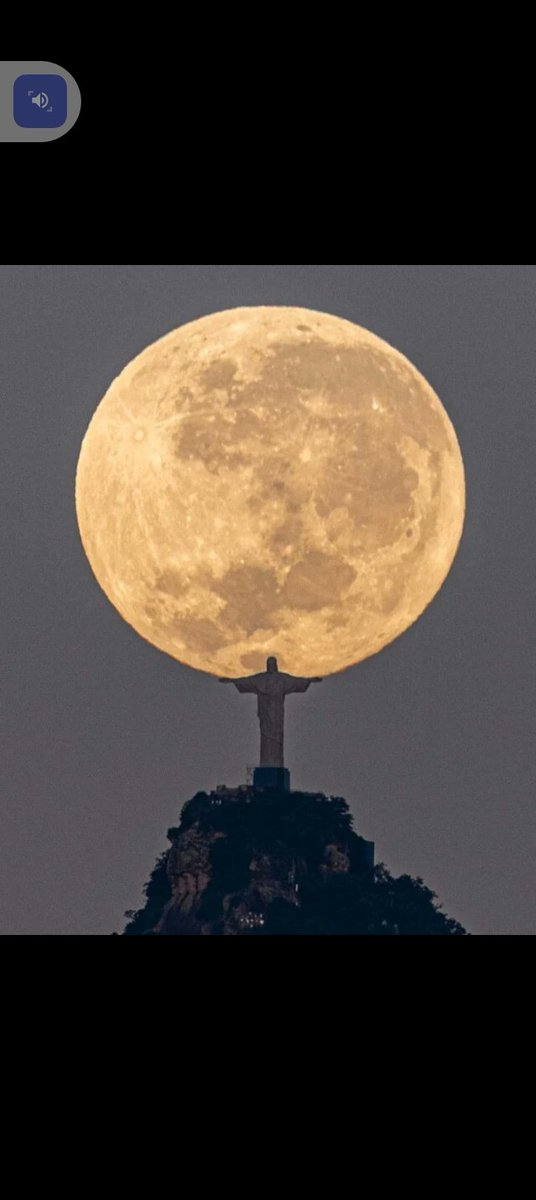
270, 481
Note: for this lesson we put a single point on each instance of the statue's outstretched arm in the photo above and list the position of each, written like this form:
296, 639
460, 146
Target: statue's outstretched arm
246, 684
298, 683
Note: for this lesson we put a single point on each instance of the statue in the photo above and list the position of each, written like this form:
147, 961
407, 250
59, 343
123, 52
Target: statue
271, 687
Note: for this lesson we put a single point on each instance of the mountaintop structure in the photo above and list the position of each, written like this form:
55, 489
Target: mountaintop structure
270, 687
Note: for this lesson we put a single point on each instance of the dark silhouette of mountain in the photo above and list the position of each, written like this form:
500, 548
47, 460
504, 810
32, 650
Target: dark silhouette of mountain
258, 862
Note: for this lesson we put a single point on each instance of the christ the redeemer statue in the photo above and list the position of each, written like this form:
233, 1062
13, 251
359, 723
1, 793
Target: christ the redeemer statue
271, 687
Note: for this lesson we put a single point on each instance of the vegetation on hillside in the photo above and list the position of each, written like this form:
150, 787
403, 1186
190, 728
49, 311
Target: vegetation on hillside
296, 827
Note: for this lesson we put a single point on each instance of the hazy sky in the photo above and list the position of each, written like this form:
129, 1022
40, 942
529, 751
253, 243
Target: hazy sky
431, 741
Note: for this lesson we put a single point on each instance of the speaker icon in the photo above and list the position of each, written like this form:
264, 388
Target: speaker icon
41, 100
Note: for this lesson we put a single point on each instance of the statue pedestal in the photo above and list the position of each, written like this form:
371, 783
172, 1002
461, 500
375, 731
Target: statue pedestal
272, 777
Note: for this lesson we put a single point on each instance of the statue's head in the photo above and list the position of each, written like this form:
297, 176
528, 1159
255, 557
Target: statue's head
271, 663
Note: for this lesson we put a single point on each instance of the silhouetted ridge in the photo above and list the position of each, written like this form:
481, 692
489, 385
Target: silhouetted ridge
243, 861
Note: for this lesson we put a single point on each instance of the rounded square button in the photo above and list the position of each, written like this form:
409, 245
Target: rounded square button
40, 101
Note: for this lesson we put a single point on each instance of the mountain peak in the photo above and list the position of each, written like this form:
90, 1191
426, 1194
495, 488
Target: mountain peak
249, 861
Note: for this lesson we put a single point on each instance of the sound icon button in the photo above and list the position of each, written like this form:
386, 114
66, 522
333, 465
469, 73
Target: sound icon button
40, 101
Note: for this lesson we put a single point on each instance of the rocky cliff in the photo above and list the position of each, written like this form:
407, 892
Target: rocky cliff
249, 862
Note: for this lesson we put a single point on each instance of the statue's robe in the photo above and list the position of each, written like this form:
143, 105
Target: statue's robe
271, 688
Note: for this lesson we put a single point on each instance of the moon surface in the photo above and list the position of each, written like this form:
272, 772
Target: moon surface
270, 480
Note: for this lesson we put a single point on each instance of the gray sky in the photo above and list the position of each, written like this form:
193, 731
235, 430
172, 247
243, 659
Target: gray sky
431, 741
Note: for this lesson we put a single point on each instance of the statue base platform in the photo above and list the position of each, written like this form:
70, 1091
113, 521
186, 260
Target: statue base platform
272, 777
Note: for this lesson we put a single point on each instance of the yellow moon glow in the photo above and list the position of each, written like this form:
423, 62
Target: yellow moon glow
267, 481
